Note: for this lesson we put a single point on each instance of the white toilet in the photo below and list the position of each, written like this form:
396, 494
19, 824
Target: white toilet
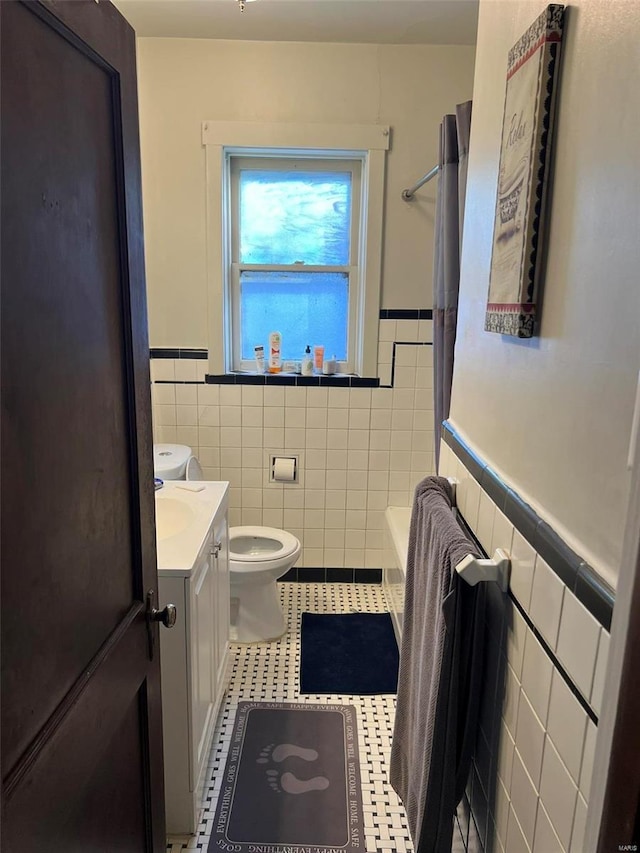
258, 556
175, 462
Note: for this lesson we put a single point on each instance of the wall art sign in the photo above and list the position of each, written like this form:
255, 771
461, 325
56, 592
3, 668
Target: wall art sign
527, 128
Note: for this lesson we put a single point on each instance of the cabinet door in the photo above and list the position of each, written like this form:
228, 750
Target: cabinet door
176, 709
202, 640
223, 601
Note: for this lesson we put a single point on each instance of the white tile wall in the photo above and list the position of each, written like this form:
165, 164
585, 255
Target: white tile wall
586, 770
516, 635
506, 752
516, 842
546, 840
529, 739
567, 725
501, 814
524, 799
486, 515
511, 700
536, 676
522, 562
579, 826
559, 793
546, 601
544, 741
360, 449
578, 643
599, 674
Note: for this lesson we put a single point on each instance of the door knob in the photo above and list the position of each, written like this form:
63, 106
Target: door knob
167, 615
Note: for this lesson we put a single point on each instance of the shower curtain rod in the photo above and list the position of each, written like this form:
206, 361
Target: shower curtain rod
407, 195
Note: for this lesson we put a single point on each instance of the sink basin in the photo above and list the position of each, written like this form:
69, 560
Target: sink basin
172, 517
183, 520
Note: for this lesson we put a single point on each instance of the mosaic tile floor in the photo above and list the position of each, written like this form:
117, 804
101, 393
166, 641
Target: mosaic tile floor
269, 672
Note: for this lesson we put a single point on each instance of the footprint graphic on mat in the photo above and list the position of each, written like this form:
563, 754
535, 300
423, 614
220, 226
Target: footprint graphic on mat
289, 782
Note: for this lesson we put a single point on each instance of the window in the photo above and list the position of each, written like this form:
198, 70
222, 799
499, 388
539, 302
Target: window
294, 235
294, 256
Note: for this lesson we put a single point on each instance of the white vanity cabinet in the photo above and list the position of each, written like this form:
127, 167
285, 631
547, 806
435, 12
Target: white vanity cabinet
193, 658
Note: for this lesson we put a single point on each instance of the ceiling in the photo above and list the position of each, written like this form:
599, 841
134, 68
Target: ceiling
357, 21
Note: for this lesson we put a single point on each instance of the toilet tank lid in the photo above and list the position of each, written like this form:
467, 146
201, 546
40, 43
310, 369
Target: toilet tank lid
169, 456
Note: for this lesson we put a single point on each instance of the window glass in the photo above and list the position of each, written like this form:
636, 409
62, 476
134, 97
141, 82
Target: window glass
294, 216
305, 307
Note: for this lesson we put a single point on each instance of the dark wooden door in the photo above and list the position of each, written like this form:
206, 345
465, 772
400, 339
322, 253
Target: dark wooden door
81, 716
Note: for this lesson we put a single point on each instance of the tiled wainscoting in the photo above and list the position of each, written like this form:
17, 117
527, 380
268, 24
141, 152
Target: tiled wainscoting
546, 659
360, 449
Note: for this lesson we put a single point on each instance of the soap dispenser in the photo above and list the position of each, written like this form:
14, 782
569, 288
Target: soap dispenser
307, 362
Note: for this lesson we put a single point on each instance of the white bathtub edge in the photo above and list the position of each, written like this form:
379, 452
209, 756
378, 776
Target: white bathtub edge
396, 536
398, 519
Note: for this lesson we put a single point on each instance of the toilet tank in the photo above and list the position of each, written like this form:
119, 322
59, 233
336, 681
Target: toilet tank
170, 461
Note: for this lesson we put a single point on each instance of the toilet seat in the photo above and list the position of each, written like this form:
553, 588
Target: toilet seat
253, 544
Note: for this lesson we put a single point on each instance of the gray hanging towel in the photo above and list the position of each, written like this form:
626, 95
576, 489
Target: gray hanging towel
440, 676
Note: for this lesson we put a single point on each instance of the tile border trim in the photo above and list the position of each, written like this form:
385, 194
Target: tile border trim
178, 352
310, 574
406, 313
583, 581
179, 382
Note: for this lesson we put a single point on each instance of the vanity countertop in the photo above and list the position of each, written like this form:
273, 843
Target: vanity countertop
183, 520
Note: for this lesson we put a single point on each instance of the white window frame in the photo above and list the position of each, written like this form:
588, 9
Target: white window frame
367, 143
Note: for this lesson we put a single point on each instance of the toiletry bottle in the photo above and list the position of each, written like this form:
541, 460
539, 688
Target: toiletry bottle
329, 366
275, 361
307, 362
259, 353
318, 358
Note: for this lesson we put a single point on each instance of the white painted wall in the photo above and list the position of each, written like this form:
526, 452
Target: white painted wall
553, 414
185, 81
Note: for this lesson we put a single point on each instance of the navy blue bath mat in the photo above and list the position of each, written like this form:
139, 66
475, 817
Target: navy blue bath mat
348, 654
